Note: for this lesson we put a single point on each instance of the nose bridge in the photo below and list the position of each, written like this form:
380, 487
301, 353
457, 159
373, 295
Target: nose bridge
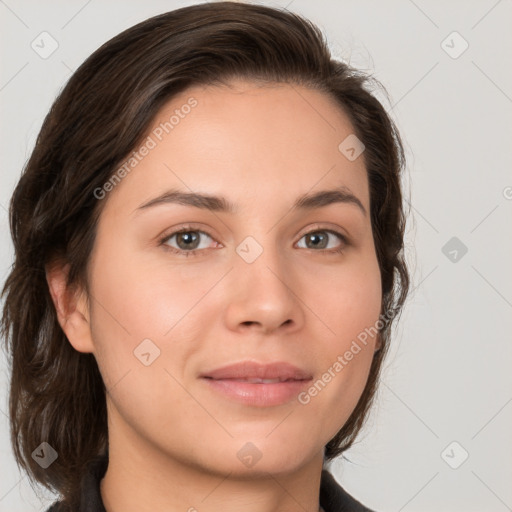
263, 291
261, 262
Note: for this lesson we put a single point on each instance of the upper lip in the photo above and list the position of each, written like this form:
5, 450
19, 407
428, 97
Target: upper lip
251, 370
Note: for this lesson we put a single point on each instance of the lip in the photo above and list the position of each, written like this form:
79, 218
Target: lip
239, 382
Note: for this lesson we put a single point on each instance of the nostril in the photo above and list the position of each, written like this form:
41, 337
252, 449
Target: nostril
248, 322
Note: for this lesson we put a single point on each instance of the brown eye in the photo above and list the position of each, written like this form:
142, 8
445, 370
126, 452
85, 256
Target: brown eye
320, 239
187, 241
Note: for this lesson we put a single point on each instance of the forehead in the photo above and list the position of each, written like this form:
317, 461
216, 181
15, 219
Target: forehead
246, 142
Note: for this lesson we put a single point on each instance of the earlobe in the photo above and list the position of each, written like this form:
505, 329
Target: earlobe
71, 307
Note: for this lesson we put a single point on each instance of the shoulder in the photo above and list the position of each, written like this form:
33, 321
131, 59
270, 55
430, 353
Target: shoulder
334, 498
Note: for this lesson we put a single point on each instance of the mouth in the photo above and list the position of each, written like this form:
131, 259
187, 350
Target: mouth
256, 384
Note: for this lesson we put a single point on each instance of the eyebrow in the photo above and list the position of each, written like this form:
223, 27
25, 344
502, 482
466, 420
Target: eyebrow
221, 204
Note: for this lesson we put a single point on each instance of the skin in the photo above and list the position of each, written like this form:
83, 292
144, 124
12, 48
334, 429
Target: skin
173, 441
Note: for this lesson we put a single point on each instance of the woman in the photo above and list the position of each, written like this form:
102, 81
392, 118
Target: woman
208, 261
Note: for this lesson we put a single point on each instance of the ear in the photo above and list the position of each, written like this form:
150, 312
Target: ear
71, 307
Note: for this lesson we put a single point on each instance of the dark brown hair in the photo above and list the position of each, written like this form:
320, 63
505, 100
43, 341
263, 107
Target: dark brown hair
56, 393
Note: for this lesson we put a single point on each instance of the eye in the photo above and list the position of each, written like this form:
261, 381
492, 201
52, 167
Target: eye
320, 238
187, 240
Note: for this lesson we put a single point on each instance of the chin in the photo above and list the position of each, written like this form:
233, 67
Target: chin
259, 457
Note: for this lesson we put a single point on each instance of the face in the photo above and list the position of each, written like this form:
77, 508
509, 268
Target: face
181, 289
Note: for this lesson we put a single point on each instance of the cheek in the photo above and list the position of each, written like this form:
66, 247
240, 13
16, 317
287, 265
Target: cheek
348, 300
144, 299
145, 315
349, 305
134, 301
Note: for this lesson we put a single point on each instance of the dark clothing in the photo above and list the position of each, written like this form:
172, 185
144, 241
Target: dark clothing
333, 498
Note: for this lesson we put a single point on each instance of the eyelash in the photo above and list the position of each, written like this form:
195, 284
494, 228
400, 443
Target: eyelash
188, 229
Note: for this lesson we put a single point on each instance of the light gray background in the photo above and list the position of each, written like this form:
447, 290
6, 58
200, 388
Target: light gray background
448, 375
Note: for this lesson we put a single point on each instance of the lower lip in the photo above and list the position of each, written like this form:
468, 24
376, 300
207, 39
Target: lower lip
262, 395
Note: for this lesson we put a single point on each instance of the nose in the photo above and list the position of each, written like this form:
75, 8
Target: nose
264, 296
